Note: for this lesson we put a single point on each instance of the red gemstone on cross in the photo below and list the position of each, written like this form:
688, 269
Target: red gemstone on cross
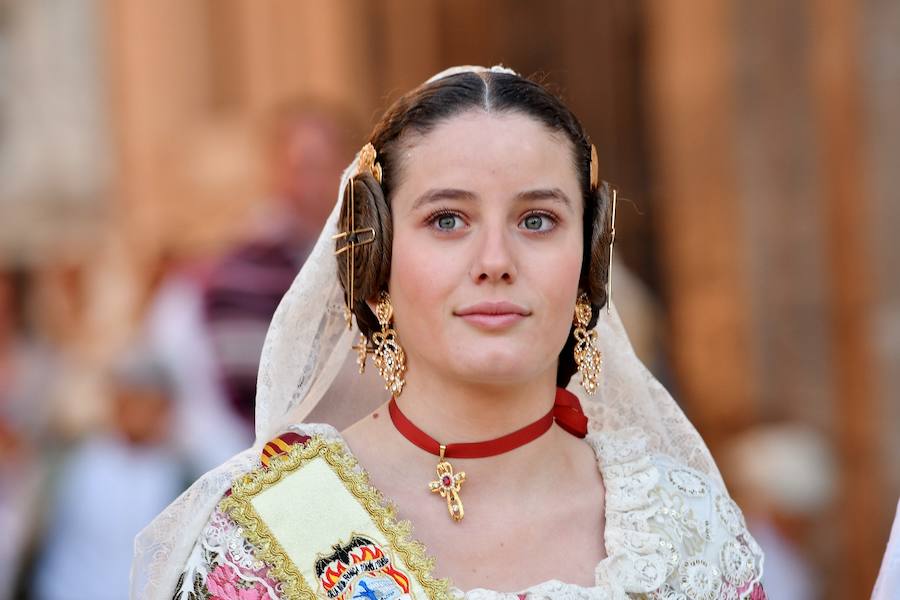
446, 480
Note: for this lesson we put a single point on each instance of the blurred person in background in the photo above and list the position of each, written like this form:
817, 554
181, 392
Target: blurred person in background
27, 370
24, 362
209, 321
109, 486
307, 144
783, 476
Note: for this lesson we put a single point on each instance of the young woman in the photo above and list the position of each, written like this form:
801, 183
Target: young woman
471, 247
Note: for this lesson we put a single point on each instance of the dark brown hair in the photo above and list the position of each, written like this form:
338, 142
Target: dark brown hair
418, 112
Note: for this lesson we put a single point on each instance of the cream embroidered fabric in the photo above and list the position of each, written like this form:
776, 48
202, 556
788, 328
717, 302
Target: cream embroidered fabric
306, 348
671, 533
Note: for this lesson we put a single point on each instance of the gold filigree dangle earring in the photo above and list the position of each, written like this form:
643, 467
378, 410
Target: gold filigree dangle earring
390, 359
588, 357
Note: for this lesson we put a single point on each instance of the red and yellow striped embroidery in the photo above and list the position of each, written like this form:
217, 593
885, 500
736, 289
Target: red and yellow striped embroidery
281, 445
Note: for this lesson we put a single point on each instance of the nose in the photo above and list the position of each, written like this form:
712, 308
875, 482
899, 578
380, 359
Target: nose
494, 260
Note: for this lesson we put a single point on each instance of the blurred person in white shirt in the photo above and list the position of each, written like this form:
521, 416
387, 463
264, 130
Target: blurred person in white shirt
110, 487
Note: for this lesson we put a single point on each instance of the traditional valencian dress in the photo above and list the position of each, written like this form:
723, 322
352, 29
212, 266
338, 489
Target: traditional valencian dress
294, 516
304, 523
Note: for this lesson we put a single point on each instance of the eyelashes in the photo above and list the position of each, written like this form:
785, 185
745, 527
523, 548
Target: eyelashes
443, 215
446, 220
538, 217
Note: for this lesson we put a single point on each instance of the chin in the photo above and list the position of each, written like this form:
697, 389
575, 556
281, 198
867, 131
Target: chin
499, 367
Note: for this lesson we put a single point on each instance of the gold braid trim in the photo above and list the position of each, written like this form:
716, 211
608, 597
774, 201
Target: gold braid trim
294, 586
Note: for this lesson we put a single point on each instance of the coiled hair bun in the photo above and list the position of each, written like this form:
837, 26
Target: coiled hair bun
372, 262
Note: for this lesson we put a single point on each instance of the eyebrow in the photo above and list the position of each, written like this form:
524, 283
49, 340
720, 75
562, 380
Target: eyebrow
436, 195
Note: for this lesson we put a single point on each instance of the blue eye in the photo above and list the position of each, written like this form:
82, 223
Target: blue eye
447, 221
538, 222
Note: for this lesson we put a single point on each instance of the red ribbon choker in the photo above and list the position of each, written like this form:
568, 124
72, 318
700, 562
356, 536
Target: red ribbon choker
566, 412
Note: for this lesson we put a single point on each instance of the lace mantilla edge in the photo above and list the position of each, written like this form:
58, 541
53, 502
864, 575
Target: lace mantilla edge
672, 533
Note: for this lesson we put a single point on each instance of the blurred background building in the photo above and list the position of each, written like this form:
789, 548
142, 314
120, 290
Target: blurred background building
146, 146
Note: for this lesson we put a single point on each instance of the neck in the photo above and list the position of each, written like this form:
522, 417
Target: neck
456, 412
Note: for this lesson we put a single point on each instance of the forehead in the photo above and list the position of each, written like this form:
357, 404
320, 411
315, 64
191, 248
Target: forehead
479, 148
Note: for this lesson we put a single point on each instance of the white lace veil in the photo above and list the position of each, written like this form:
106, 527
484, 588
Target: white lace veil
308, 372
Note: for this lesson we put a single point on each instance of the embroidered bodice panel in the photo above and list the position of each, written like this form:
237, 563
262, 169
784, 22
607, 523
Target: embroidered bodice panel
672, 533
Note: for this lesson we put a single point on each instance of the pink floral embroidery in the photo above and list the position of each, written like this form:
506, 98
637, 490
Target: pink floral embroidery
225, 584
758, 593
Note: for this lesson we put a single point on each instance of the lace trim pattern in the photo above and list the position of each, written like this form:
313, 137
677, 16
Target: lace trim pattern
223, 564
671, 531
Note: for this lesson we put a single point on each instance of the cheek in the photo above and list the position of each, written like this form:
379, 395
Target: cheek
421, 279
560, 269
411, 265
557, 277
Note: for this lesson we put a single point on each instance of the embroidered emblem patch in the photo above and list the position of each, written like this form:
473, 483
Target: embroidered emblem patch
360, 569
313, 503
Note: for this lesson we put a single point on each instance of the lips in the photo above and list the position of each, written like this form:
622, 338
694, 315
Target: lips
493, 315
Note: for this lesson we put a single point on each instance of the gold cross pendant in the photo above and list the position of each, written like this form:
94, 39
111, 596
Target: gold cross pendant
448, 485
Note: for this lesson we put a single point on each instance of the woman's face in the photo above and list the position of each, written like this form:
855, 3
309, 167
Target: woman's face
487, 248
